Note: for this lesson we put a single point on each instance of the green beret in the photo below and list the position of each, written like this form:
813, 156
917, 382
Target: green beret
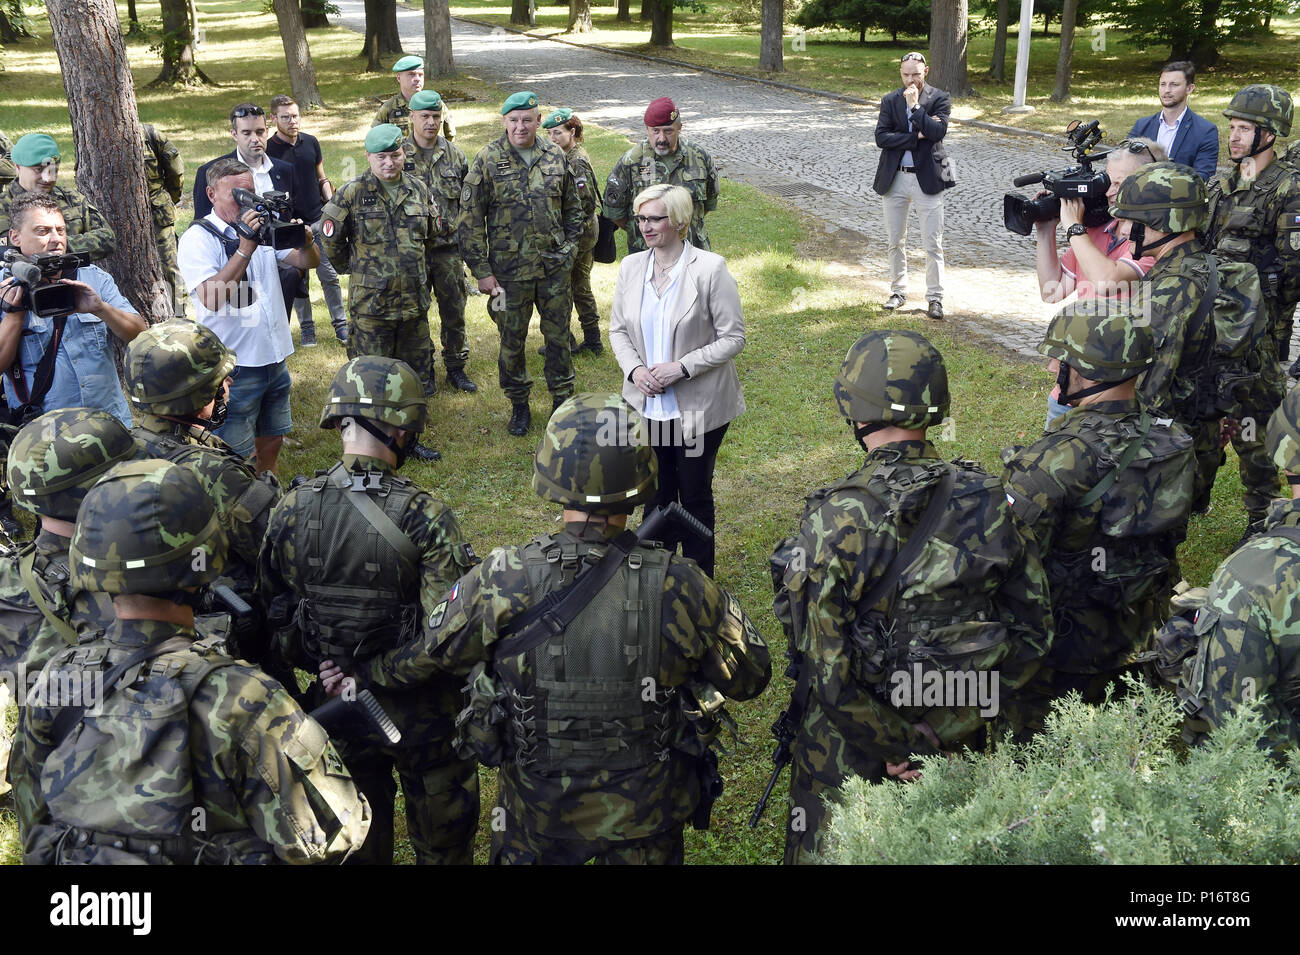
426, 99
521, 100
408, 63
33, 149
383, 137
556, 118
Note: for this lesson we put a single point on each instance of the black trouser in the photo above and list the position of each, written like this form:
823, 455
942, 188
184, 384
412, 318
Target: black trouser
686, 475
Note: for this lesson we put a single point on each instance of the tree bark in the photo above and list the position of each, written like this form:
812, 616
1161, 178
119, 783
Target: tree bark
1205, 49
1061, 91
519, 12
180, 68
998, 68
389, 39
109, 144
661, 23
297, 55
370, 46
579, 16
313, 16
437, 39
948, 26
771, 54
647, 10
624, 11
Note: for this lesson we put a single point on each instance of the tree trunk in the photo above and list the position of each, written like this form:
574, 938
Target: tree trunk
1047, 22
948, 25
1061, 91
647, 10
579, 16
998, 68
297, 55
1205, 48
389, 39
661, 23
370, 47
179, 65
437, 39
771, 55
624, 11
519, 12
133, 27
313, 16
109, 144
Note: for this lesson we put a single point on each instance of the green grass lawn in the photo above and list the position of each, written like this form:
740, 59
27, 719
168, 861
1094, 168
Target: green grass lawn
1112, 80
802, 313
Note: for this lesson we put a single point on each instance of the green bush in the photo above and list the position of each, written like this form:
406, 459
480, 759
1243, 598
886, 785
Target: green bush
1106, 784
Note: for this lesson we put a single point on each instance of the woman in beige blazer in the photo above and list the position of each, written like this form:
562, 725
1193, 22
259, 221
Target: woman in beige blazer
676, 328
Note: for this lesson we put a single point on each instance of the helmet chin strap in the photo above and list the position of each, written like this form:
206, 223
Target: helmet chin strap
860, 431
1137, 234
213, 421
387, 440
1255, 147
1069, 398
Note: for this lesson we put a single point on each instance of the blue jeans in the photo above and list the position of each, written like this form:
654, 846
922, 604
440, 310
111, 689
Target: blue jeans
258, 407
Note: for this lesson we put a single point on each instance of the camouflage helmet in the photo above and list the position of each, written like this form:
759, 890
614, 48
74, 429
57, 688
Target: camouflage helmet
595, 457
894, 378
1283, 438
1100, 340
174, 368
378, 388
1263, 105
148, 527
1168, 196
56, 458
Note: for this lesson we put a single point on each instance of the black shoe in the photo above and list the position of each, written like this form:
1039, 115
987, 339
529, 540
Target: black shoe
309, 338
1254, 527
521, 419
424, 453
430, 387
590, 348
1294, 370
458, 379
555, 404
935, 310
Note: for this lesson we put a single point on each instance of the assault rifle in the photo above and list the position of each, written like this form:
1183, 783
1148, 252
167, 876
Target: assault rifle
785, 730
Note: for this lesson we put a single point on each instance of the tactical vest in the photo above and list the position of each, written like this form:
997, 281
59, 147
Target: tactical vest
1240, 228
586, 701
358, 592
119, 787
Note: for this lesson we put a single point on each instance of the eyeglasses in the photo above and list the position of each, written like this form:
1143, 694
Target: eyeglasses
913, 56
1133, 146
240, 112
649, 220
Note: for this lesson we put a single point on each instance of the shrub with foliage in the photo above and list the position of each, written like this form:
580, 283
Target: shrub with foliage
908, 17
1105, 784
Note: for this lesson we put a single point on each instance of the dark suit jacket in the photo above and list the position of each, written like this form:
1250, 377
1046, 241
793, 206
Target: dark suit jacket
282, 177
1195, 145
893, 139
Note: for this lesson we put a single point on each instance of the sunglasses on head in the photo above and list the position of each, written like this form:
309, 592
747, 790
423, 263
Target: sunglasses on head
913, 56
1135, 147
243, 111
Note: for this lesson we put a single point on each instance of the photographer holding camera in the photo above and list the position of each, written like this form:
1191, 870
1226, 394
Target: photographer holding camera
232, 273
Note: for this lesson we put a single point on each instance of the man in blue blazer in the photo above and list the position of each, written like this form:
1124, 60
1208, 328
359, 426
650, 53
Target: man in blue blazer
248, 130
1189, 139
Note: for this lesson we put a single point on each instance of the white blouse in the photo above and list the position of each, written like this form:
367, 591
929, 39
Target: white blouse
655, 331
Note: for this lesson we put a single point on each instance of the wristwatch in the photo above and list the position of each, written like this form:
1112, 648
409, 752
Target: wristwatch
1076, 229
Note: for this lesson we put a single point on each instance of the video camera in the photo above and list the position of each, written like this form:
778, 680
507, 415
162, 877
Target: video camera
1078, 182
36, 274
276, 231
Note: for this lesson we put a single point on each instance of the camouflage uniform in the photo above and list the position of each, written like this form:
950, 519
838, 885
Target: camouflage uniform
384, 242
443, 171
978, 580
1256, 219
640, 167
1107, 542
196, 757
8, 171
397, 110
580, 276
339, 591
600, 773
164, 170
88, 230
521, 224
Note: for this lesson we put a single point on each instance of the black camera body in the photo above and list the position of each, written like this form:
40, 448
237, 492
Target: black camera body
1078, 182
37, 275
276, 211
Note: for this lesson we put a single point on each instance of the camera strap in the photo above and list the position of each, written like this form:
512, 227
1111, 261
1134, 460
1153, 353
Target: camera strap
43, 379
227, 243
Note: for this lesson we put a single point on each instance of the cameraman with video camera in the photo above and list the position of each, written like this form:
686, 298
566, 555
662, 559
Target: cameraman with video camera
231, 270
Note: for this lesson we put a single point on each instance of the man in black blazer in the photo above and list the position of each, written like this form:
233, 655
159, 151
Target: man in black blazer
248, 130
914, 168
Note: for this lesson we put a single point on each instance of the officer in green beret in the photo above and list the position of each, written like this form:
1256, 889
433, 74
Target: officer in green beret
566, 132
441, 165
519, 228
382, 227
37, 157
397, 109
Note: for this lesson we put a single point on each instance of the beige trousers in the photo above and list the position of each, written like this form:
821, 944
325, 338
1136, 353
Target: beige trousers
929, 210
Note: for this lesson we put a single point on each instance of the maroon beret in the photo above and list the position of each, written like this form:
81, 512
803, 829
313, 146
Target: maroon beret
661, 112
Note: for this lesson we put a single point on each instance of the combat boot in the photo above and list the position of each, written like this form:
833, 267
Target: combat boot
521, 419
591, 345
457, 378
431, 386
1254, 527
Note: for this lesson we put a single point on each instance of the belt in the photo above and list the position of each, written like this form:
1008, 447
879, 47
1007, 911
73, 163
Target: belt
907, 169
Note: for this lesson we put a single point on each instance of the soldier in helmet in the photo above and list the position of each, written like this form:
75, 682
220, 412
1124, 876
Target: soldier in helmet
1107, 492
354, 563
1161, 207
908, 564
1248, 632
601, 728
193, 757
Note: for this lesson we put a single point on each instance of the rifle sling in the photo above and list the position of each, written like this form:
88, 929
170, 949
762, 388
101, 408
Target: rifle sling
341, 478
27, 570
1131, 452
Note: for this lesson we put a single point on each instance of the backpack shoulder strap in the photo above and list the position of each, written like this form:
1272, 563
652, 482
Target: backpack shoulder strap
925, 528
341, 478
27, 570
1127, 458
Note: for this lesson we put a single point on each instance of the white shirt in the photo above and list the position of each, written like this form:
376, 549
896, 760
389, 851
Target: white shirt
658, 336
1165, 134
261, 174
258, 334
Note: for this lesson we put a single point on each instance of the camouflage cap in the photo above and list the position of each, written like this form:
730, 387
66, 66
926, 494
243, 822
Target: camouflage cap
1263, 105
378, 388
893, 377
148, 527
56, 458
595, 457
175, 367
1283, 438
1100, 340
1168, 196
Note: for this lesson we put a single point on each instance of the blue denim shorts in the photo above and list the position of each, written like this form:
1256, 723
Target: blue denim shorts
258, 406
